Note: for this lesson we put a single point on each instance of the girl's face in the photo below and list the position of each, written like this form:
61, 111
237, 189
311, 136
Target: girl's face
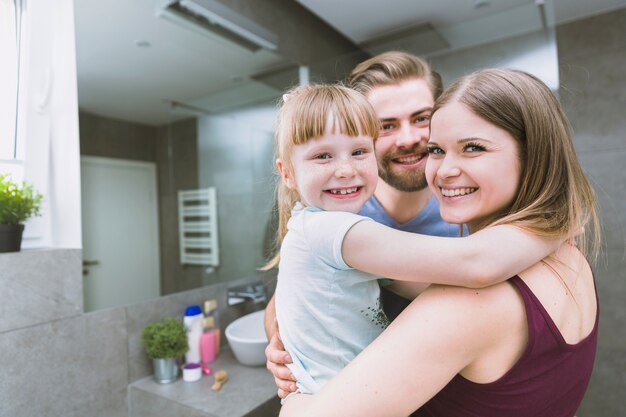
335, 172
473, 168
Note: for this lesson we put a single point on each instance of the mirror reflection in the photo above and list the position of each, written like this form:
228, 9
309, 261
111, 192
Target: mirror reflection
177, 99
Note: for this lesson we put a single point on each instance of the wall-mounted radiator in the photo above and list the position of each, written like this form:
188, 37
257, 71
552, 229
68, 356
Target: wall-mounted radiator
197, 223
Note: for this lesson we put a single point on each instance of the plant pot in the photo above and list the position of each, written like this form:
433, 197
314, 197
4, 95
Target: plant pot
11, 237
165, 370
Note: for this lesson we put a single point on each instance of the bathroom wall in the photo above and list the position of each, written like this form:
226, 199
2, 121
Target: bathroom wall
57, 361
235, 155
592, 60
112, 138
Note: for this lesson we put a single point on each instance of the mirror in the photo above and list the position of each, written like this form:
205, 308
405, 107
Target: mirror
167, 105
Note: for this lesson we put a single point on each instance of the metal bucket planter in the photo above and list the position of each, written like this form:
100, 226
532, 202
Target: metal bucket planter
165, 370
11, 237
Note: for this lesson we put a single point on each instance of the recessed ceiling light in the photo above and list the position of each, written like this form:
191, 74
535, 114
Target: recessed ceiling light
481, 4
142, 43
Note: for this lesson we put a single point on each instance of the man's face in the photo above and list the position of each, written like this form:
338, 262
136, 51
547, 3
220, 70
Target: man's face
404, 111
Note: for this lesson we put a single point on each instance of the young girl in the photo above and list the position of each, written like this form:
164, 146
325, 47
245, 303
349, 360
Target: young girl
500, 153
328, 312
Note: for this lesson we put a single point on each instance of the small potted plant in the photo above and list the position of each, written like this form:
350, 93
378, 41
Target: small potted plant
164, 341
18, 202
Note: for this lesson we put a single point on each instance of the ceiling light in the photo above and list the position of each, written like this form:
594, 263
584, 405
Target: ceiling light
214, 19
481, 4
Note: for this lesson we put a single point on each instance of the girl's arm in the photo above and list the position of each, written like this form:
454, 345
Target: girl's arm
484, 258
442, 332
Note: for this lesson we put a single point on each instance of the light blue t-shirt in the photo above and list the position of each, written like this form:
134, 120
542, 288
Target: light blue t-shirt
327, 312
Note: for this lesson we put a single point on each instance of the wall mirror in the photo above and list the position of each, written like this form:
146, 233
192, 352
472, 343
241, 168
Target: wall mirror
179, 96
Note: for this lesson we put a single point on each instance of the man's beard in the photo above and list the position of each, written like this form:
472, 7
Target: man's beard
401, 179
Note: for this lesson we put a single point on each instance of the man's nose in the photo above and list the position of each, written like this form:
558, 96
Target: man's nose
410, 135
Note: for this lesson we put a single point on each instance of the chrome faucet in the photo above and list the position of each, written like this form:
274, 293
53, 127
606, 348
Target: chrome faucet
254, 291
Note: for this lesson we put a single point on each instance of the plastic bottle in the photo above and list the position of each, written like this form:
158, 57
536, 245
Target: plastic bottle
208, 341
193, 322
210, 311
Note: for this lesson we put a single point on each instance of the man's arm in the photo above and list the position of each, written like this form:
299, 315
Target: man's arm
277, 357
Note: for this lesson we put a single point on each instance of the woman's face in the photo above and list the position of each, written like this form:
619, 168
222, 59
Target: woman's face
473, 168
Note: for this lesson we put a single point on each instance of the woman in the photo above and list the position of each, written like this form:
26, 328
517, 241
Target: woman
500, 153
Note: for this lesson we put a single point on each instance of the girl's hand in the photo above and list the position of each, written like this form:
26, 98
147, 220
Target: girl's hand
277, 358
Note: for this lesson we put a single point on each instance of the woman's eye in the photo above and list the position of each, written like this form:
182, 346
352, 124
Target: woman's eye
435, 150
474, 147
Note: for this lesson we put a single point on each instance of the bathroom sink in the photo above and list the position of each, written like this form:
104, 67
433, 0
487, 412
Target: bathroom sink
247, 340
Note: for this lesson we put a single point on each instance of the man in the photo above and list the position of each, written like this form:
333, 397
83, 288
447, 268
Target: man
402, 89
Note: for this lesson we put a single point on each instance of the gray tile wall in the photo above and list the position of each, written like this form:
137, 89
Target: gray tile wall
112, 138
592, 59
61, 362
235, 153
177, 164
39, 286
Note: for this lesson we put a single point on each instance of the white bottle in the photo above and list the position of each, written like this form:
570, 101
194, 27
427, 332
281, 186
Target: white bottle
193, 323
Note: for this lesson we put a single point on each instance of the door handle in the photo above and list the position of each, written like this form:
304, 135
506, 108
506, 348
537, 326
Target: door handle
91, 263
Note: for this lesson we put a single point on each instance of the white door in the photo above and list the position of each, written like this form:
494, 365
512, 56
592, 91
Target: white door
120, 232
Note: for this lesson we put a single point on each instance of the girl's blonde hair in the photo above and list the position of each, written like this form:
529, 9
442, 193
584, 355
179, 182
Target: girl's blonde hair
308, 112
554, 199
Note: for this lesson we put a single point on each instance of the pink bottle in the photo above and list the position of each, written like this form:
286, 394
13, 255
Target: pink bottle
208, 342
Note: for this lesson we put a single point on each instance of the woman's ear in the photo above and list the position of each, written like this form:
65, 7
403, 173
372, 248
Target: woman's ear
285, 175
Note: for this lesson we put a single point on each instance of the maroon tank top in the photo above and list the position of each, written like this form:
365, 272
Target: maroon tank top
549, 380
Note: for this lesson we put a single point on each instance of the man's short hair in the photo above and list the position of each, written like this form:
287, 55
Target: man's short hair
392, 68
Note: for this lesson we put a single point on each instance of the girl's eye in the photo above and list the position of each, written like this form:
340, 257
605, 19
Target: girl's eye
359, 152
435, 150
323, 156
473, 147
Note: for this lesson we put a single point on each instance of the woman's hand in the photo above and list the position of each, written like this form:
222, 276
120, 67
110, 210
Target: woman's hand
277, 358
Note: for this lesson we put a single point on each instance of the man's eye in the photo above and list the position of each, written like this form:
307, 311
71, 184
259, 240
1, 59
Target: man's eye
422, 119
387, 126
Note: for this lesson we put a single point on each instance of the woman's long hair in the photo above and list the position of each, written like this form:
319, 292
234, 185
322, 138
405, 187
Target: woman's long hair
554, 198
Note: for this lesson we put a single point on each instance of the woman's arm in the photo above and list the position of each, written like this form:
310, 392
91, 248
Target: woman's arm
442, 332
484, 258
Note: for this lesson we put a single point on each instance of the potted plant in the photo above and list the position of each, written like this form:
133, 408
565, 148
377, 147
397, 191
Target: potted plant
18, 202
164, 341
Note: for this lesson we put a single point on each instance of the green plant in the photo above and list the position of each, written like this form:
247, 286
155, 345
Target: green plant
18, 202
166, 338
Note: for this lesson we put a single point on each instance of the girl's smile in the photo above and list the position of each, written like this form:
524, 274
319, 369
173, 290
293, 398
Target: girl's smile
335, 172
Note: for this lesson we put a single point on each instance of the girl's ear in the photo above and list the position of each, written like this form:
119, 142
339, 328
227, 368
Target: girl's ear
285, 175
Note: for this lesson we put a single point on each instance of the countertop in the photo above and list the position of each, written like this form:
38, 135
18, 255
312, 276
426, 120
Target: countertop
250, 391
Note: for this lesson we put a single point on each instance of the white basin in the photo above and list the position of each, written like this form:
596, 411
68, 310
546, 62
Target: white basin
247, 339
